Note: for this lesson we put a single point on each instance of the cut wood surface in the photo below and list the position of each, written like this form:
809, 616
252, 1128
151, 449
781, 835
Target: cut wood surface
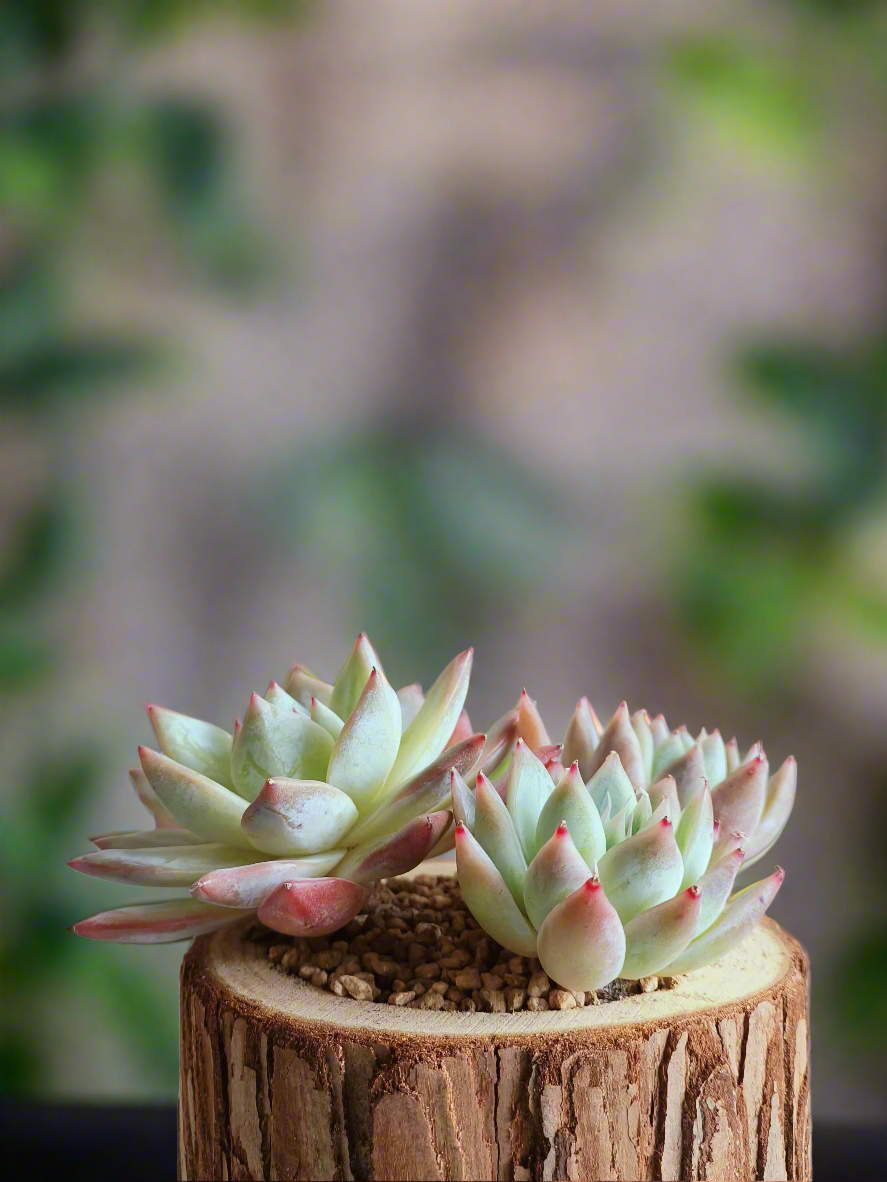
283, 1081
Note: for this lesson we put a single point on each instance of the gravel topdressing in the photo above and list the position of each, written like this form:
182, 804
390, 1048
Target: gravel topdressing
417, 945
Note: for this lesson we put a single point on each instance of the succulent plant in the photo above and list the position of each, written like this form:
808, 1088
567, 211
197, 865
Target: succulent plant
616, 855
321, 790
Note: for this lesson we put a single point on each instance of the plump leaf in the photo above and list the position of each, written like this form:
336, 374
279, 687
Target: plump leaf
196, 802
312, 906
302, 685
738, 801
610, 780
278, 697
353, 676
163, 818
780, 798
619, 736
530, 726
714, 754
642, 870
715, 887
529, 787
427, 734
367, 746
326, 718
571, 803
488, 898
556, 872
581, 944
494, 830
157, 923
582, 738
198, 745
395, 853
249, 886
293, 817
658, 935
171, 867
695, 837
688, 772
274, 742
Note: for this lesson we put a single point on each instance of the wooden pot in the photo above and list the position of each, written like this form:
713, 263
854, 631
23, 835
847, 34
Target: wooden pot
283, 1081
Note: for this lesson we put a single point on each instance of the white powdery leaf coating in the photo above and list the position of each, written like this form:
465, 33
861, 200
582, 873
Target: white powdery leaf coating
429, 732
488, 898
695, 837
781, 791
642, 870
571, 803
291, 817
657, 935
172, 867
198, 745
196, 802
367, 746
494, 830
274, 742
738, 801
610, 780
302, 685
157, 923
248, 886
581, 944
556, 872
529, 787
738, 918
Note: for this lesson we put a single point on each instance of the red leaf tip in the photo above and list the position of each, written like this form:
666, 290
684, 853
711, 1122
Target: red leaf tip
461, 830
779, 873
574, 766
593, 883
665, 823
694, 892
562, 830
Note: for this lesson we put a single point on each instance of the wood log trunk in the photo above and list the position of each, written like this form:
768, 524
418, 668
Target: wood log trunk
707, 1080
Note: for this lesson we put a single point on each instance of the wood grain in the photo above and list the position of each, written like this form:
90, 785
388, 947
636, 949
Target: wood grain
705, 1081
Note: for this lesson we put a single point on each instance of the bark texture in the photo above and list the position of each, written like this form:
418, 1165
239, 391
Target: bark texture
707, 1081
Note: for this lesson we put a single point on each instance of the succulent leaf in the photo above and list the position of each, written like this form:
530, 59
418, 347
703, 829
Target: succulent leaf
278, 697
170, 867
163, 818
640, 722
777, 808
581, 943
739, 800
275, 742
530, 726
411, 699
619, 825
427, 734
365, 751
715, 887
353, 676
395, 853
610, 780
463, 800
666, 789
582, 738
248, 886
689, 774
488, 898
571, 803
494, 830
157, 923
732, 750
714, 754
292, 817
198, 745
619, 736
196, 802
737, 919
556, 872
312, 906
643, 870
658, 935
302, 685
666, 752
695, 836
145, 839
325, 717
529, 787
500, 740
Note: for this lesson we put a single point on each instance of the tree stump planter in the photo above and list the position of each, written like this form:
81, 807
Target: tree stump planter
708, 1080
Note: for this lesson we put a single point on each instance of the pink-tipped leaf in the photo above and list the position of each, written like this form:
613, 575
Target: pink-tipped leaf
642, 870
695, 836
395, 853
249, 886
571, 803
303, 685
556, 872
176, 867
275, 742
530, 726
581, 944
739, 800
157, 923
582, 738
529, 787
488, 898
781, 791
312, 906
494, 830
163, 818
145, 839
658, 935
426, 736
198, 745
715, 887
295, 817
197, 803
365, 751
611, 781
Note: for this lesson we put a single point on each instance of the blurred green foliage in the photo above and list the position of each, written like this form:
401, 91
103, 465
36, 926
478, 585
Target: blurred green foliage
67, 119
775, 558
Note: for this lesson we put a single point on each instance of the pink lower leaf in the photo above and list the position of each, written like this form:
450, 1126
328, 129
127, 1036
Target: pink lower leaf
312, 906
157, 923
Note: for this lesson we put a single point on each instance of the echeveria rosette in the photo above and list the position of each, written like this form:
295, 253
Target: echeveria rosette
321, 790
616, 855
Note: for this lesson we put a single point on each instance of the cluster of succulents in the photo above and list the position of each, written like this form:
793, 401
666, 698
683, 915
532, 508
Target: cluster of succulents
612, 854
615, 855
321, 790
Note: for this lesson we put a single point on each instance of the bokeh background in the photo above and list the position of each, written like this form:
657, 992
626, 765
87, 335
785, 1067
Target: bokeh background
558, 329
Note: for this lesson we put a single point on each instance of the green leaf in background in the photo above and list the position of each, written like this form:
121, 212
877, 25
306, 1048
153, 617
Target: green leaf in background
74, 369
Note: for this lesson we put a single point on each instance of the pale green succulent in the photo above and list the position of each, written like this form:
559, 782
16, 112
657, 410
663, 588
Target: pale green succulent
622, 863
322, 789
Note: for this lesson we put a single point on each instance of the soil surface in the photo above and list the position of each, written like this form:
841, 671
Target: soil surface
416, 944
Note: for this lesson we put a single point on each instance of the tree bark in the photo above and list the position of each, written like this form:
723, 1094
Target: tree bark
705, 1081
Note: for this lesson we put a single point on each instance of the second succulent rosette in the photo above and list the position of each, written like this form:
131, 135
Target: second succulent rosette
615, 855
